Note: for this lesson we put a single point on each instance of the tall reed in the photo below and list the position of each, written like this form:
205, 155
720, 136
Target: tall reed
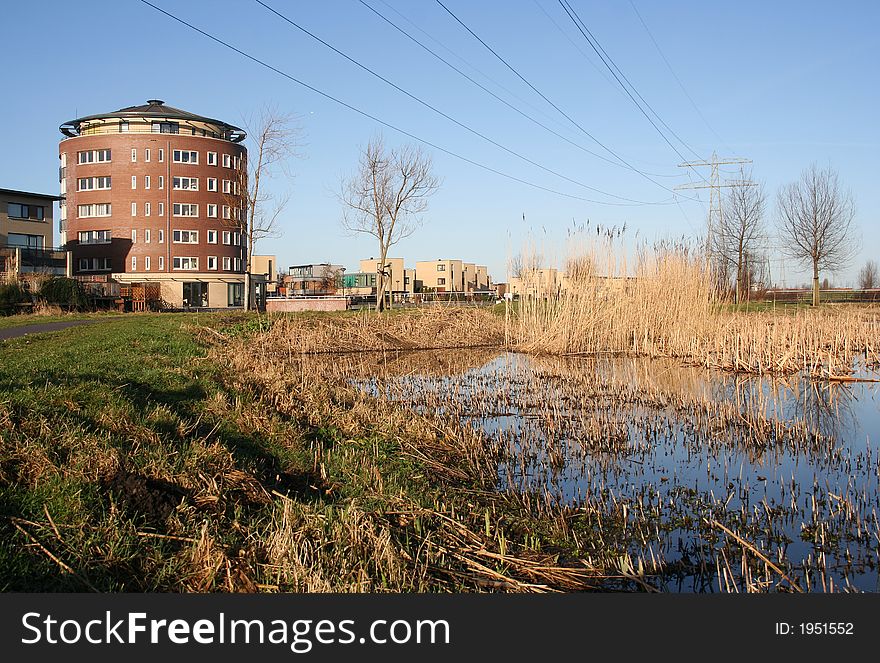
666, 304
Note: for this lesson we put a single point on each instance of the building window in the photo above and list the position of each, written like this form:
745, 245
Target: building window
227, 161
134, 182
186, 156
212, 184
227, 186
134, 236
227, 237
441, 281
147, 233
161, 263
236, 263
30, 212
212, 262
195, 294
161, 235
93, 156
25, 241
161, 209
147, 154
212, 158
165, 127
98, 209
235, 188
212, 211
236, 162
190, 264
92, 183
134, 209
134, 263
185, 236
226, 212
134, 155
94, 264
236, 213
185, 209
146, 263
227, 264
235, 294
161, 155
123, 126
185, 183
161, 181
146, 209
441, 268
212, 237
146, 181
236, 239
94, 237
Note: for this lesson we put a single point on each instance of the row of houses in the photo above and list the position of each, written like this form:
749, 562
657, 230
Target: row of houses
441, 277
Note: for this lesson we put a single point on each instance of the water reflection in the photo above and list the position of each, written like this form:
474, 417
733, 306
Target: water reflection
669, 453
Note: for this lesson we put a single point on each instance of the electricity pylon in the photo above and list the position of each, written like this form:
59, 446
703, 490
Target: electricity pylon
714, 185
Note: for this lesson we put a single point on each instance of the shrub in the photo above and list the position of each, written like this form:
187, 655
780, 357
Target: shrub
68, 293
10, 295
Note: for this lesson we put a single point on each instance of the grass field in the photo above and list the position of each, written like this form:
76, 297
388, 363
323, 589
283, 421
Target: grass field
133, 457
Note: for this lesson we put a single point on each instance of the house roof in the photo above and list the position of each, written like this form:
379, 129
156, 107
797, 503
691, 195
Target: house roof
155, 108
29, 194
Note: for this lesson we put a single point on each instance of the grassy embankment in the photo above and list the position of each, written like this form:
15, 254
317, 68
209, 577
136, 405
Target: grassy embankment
137, 455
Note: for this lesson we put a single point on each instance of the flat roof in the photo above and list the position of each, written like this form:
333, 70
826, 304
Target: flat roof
31, 194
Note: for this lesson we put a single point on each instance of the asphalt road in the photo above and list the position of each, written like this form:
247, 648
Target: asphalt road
41, 328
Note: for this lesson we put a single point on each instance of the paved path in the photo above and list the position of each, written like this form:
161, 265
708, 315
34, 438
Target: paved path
40, 328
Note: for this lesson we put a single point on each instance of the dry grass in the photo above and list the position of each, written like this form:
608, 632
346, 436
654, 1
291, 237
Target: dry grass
405, 330
665, 307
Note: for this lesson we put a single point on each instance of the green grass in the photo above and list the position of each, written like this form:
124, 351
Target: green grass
134, 458
126, 406
22, 320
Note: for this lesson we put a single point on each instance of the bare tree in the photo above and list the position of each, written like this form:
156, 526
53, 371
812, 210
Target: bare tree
525, 264
252, 208
816, 223
868, 276
740, 231
384, 197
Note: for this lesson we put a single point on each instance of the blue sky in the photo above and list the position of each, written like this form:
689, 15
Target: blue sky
784, 83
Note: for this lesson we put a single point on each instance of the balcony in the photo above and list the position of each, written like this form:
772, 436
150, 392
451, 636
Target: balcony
29, 260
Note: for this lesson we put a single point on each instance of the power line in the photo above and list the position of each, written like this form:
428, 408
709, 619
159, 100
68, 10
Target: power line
675, 76
373, 117
606, 59
589, 60
490, 92
440, 112
474, 67
544, 97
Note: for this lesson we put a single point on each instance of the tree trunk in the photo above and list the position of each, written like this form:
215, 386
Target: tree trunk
739, 279
815, 283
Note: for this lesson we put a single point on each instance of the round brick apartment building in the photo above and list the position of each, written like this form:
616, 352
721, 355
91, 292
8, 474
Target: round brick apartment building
154, 194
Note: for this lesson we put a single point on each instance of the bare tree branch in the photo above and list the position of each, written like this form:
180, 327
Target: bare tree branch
868, 276
253, 209
385, 197
740, 234
815, 218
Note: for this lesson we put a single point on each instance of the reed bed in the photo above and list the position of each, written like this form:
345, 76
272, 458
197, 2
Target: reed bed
440, 327
556, 473
666, 305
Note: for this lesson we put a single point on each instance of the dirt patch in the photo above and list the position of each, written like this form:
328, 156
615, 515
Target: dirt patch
141, 496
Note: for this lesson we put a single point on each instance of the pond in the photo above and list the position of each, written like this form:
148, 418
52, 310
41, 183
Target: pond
674, 463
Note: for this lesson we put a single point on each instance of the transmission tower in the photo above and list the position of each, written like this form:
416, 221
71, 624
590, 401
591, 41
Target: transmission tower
714, 184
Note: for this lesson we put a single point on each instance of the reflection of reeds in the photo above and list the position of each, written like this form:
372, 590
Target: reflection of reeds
665, 306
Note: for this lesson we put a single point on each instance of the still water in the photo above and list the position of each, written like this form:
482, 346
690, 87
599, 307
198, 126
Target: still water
677, 458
